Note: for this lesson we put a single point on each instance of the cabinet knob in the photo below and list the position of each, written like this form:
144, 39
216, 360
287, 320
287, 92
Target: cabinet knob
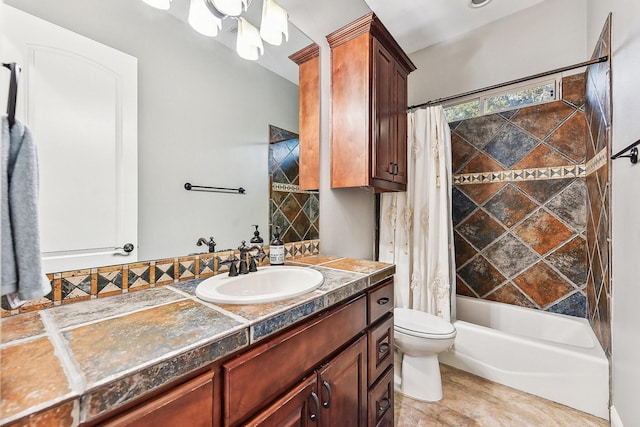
384, 404
383, 301
383, 348
316, 402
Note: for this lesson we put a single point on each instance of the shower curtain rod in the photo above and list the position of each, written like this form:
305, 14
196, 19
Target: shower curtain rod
511, 82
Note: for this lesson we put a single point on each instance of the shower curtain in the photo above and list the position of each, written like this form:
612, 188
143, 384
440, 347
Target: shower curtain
416, 228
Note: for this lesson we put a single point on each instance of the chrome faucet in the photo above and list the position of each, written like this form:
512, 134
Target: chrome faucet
211, 243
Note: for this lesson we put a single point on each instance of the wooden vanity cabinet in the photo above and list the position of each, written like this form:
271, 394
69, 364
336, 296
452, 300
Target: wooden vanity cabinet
369, 107
308, 60
334, 369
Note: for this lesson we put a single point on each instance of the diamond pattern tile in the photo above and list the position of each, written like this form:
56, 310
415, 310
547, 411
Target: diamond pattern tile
543, 285
542, 155
570, 138
510, 145
573, 305
540, 120
480, 229
569, 205
76, 286
462, 206
481, 276
139, 276
461, 152
109, 281
479, 131
571, 260
510, 205
510, 255
543, 232
542, 191
510, 294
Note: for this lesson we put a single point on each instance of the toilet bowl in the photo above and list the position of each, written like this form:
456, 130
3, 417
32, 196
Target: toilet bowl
419, 337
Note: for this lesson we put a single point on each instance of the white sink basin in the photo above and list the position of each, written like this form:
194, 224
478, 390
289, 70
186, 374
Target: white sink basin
265, 285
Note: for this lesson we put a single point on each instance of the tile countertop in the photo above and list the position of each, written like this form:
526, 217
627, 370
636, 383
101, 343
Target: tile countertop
70, 364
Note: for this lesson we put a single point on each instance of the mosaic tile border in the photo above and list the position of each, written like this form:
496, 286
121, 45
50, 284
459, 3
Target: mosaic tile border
81, 285
290, 188
598, 161
533, 174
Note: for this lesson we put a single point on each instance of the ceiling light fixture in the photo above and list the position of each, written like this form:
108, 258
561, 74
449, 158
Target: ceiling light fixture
206, 16
478, 3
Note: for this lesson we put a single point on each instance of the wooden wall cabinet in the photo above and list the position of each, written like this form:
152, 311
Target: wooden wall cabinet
369, 107
308, 60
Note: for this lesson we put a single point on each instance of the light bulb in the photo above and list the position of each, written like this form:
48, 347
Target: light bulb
248, 44
159, 4
202, 20
274, 23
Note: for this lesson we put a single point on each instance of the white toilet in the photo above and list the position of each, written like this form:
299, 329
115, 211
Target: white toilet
419, 337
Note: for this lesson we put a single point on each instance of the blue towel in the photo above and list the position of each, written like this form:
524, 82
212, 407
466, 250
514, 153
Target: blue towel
21, 274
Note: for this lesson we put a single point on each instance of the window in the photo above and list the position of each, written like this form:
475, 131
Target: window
503, 99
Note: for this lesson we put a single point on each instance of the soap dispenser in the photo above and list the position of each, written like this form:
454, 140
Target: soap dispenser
256, 239
276, 249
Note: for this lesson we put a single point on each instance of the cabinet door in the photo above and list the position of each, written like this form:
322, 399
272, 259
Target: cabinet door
382, 111
300, 407
189, 404
400, 124
342, 388
381, 401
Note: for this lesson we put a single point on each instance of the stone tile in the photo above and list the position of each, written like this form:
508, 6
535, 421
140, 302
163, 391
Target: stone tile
510, 294
110, 281
316, 259
117, 393
569, 205
138, 276
66, 414
481, 276
480, 193
482, 163
21, 326
462, 205
461, 152
463, 250
543, 190
570, 138
543, 285
510, 146
540, 157
480, 229
510, 205
540, 120
264, 328
574, 305
75, 314
573, 89
479, 130
31, 375
543, 232
358, 266
510, 256
463, 289
571, 260
140, 337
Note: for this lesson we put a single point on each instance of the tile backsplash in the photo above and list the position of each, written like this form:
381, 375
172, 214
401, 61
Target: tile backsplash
81, 285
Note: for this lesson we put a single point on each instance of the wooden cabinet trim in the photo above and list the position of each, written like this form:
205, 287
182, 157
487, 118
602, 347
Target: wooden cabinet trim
305, 54
380, 348
380, 397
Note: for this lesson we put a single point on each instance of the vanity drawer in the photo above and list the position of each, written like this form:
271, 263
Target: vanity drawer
380, 402
380, 300
380, 348
265, 372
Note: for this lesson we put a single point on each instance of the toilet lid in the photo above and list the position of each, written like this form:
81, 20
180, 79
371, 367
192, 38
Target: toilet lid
420, 322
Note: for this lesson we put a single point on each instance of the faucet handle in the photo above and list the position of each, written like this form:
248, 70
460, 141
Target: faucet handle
243, 247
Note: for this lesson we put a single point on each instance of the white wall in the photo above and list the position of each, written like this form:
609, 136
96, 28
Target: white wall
204, 116
549, 35
625, 209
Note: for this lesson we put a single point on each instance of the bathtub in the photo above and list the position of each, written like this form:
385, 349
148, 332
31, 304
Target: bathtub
553, 356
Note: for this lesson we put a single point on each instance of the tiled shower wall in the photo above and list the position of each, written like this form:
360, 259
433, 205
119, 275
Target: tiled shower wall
519, 202
598, 112
295, 211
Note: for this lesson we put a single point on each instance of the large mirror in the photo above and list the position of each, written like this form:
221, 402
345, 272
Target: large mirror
203, 116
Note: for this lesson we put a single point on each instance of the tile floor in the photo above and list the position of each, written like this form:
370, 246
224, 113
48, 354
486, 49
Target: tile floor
473, 401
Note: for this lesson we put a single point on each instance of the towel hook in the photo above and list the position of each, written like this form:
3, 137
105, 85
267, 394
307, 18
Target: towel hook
13, 91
